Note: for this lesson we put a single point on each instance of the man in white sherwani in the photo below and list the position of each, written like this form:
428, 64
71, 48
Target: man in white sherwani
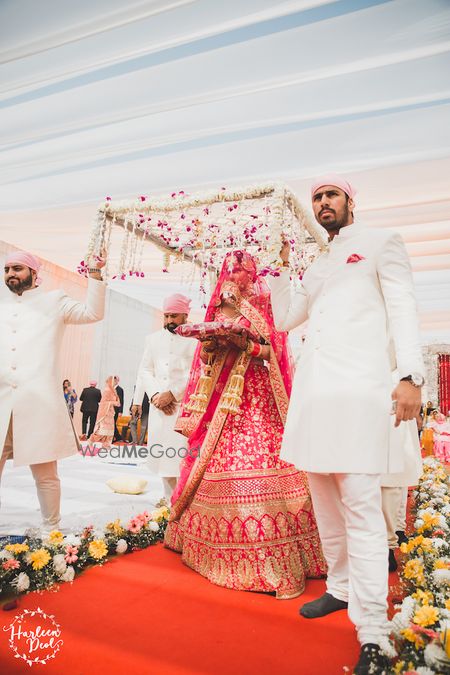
356, 295
33, 324
163, 375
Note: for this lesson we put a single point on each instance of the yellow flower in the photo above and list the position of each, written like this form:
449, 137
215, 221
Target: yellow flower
412, 636
447, 604
39, 558
445, 639
17, 548
441, 564
115, 527
55, 537
424, 597
161, 514
414, 570
412, 544
426, 616
429, 521
98, 549
398, 668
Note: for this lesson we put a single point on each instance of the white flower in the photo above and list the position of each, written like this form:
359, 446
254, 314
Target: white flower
423, 670
72, 540
387, 647
121, 546
69, 574
435, 657
438, 542
27, 557
408, 607
399, 622
59, 563
21, 582
5, 555
154, 527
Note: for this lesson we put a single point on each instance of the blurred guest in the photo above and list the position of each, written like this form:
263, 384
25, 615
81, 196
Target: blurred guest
441, 435
118, 408
135, 419
104, 426
70, 395
90, 399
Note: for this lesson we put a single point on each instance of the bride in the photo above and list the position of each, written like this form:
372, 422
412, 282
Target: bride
240, 516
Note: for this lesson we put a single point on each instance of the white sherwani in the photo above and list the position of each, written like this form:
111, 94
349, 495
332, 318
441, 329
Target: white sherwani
339, 423
339, 415
165, 366
32, 328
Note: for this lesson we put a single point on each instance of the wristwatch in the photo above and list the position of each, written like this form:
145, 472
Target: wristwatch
416, 379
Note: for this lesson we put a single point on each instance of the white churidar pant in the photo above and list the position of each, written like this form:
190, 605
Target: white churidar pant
353, 535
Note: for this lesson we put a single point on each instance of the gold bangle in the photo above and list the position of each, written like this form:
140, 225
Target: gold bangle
249, 347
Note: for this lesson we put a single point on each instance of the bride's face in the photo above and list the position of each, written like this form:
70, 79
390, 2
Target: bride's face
239, 276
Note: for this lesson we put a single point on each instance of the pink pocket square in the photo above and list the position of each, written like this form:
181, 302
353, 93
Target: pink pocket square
354, 258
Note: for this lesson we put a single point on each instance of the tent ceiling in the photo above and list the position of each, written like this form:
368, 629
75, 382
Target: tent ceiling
101, 97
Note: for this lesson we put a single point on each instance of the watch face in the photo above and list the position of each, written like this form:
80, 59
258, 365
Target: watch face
417, 379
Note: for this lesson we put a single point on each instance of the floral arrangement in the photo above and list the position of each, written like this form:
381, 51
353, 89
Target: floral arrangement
203, 227
39, 564
420, 631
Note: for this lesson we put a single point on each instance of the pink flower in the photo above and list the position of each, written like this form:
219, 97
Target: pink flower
108, 199
142, 198
71, 554
354, 258
11, 564
134, 526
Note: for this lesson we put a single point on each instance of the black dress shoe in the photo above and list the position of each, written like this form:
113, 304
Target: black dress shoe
392, 561
402, 538
372, 661
324, 605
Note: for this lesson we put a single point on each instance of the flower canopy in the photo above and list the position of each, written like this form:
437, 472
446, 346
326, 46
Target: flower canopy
203, 227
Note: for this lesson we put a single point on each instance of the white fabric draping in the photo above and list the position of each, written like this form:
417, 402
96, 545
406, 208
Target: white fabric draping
149, 96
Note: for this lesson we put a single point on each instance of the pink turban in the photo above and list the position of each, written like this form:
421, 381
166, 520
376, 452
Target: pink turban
93, 383
27, 259
176, 304
333, 179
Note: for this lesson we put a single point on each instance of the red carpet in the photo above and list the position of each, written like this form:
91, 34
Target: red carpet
147, 613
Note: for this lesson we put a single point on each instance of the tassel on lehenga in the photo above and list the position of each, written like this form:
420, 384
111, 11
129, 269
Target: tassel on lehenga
232, 397
199, 400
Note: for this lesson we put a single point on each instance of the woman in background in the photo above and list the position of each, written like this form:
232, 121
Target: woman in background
104, 426
70, 395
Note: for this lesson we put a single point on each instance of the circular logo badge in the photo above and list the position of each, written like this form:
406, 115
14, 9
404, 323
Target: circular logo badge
34, 636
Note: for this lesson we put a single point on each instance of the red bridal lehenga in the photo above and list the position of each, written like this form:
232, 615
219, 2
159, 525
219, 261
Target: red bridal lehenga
240, 515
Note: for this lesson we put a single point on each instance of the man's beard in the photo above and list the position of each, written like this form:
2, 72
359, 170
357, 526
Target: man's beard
171, 327
336, 224
21, 285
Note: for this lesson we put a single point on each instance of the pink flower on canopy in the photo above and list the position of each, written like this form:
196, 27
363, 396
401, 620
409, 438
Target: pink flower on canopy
12, 564
71, 554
